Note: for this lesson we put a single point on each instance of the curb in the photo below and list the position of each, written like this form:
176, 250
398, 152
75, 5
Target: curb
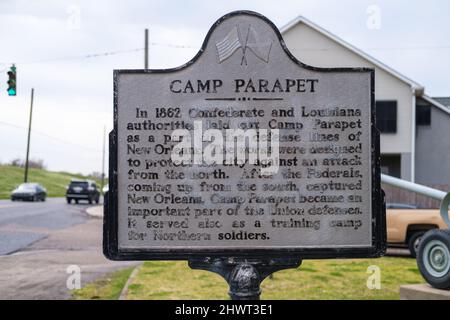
95, 211
124, 292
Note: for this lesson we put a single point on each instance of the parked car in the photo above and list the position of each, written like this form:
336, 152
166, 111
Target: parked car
30, 192
82, 190
406, 227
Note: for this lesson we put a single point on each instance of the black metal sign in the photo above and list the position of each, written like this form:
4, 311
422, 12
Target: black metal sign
244, 152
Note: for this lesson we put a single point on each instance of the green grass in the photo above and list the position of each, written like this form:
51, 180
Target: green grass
106, 288
54, 182
315, 279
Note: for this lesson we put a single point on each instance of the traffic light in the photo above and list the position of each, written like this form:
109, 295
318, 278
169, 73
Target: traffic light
12, 76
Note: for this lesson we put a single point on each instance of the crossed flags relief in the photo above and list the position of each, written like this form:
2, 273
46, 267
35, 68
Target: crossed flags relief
233, 41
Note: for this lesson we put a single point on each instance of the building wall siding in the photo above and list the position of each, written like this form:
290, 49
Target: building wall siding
405, 166
398, 195
433, 150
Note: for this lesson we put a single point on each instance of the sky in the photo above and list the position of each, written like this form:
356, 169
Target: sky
67, 51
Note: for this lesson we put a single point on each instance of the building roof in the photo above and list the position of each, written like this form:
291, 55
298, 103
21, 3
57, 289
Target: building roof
443, 100
436, 103
419, 89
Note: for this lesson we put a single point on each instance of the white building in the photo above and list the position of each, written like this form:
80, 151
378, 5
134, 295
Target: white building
399, 101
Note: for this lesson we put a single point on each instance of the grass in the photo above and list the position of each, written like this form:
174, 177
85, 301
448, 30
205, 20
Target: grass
315, 279
106, 288
54, 182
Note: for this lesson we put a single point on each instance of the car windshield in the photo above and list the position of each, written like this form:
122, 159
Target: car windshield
79, 184
26, 187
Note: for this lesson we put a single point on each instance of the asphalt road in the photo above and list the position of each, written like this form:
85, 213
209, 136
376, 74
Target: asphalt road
23, 223
39, 242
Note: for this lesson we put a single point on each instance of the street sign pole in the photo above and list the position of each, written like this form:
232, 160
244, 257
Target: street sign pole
146, 50
29, 134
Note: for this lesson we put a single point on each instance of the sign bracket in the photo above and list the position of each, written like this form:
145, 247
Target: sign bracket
244, 276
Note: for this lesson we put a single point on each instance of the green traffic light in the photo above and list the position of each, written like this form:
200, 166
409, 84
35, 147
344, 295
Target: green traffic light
12, 75
11, 92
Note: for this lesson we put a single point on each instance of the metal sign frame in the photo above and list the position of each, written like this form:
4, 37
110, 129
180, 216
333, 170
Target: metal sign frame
110, 227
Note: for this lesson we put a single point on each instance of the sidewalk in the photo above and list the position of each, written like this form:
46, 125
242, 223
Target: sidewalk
95, 211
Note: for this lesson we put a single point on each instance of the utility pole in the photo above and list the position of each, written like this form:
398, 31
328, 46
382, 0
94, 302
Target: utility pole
29, 134
146, 50
103, 158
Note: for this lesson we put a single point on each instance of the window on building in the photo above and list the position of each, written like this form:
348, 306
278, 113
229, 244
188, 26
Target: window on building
423, 114
387, 116
391, 164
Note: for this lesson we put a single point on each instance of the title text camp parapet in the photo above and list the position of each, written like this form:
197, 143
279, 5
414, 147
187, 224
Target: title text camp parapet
245, 86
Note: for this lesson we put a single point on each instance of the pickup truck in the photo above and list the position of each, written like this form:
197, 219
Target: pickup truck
405, 227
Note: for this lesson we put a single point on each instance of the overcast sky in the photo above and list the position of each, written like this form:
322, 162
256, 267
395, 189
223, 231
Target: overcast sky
51, 41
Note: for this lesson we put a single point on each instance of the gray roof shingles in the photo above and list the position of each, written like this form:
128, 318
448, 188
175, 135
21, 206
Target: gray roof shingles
443, 100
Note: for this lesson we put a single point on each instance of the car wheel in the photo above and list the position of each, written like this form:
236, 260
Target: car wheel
76, 201
69, 201
90, 201
414, 242
433, 258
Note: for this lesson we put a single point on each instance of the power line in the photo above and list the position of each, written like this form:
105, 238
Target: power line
171, 45
86, 56
184, 46
105, 54
49, 136
377, 48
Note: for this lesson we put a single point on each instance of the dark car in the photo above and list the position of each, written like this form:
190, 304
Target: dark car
30, 192
82, 190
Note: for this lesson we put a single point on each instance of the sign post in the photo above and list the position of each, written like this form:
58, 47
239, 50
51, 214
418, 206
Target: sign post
244, 161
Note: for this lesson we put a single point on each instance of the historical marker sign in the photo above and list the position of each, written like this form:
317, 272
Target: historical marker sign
244, 151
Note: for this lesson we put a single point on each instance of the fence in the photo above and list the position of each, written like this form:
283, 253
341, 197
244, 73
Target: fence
397, 195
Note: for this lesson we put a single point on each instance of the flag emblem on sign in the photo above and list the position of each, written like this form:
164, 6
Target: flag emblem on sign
232, 41
260, 48
228, 45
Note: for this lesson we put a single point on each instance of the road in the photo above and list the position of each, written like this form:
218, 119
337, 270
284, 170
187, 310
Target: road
22, 223
39, 241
